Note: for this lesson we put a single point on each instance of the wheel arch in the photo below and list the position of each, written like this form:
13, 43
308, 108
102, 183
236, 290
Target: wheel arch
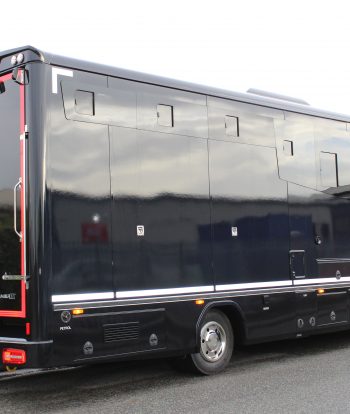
233, 312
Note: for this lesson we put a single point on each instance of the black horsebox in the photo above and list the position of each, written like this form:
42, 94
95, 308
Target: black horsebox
147, 217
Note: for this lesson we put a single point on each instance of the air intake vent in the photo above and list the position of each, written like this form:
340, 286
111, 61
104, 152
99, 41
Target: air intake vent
121, 332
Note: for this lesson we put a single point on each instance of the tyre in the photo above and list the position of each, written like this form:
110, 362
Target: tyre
216, 344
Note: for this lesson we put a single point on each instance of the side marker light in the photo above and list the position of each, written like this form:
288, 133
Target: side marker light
77, 311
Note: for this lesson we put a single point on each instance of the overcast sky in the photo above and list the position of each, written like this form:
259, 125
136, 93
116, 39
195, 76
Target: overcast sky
296, 48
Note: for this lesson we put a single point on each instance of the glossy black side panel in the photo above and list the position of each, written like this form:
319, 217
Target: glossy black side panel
299, 167
38, 236
255, 123
118, 333
173, 324
79, 185
160, 181
267, 316
334, 137
320, 225
109, 106
248, 195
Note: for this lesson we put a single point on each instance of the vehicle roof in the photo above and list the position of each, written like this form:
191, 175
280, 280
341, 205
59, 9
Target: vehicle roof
250, 98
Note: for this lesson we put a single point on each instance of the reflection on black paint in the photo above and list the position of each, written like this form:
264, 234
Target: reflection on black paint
107, 180
159, 181
313, 213
248, 194
81, 207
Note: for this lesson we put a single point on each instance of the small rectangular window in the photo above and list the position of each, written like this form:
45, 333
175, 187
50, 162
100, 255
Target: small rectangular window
231, 126
165, 115
288, 148
84, 103
329, 169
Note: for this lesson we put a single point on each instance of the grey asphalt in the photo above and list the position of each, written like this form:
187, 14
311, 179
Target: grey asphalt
310, 375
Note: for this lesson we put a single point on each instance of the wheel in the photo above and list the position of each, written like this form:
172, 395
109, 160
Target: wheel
10, 368
216, 344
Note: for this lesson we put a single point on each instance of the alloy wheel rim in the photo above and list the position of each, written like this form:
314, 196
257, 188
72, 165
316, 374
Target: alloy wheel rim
213, 341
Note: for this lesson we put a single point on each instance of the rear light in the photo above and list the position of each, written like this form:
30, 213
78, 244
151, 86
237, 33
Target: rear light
14, 356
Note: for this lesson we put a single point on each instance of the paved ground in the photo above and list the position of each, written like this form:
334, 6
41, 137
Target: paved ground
302, 376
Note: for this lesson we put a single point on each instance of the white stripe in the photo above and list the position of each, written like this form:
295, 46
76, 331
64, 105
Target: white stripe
193, 289
332, 260
82, 296
324, 280
160, 292
55, 73
240, 286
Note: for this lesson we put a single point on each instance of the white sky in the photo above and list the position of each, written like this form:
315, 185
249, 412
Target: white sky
297, 48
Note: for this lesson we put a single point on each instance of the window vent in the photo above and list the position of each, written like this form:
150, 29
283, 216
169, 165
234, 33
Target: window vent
231, 126
329, 169
84, 103
165, 115
121, 332
288, 148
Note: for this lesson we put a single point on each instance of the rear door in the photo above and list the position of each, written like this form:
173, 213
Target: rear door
12, 198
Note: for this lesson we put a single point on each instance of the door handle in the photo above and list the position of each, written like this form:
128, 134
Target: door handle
14, 277
19, 184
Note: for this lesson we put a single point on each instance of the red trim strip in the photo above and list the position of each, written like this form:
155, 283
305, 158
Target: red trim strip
22, 312
23, 190
5, 78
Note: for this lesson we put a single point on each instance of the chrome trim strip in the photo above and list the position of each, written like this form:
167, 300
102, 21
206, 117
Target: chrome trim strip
307, 285
169, 299
325, 280
82, 297
5, 339
333, 323
133, 312
240, 286
333, 260
160, 292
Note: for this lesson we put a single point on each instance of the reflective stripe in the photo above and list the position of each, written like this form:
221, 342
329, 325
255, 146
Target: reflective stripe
319, 281
160, 292
239, 286
82, 296
331, 260
196, 289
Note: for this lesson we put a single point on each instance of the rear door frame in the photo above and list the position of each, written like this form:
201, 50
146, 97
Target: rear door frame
23, 179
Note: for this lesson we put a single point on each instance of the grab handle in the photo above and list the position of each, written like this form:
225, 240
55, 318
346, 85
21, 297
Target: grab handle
19, 233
